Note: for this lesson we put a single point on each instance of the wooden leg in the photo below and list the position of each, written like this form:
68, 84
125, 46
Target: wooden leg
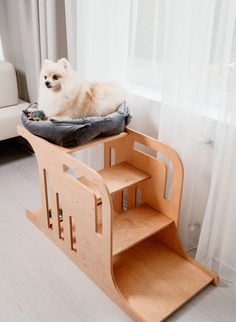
131, 198
118, 202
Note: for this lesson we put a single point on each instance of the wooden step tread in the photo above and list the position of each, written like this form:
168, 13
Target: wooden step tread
96, 141
133, 226
117, 177
156, 281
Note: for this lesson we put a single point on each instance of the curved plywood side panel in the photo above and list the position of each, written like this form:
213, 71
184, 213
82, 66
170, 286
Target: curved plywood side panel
133, 255
156, 198
170, 239
92, 249
156, 282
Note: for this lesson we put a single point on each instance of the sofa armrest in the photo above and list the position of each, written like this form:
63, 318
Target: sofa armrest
8, 85
9, 118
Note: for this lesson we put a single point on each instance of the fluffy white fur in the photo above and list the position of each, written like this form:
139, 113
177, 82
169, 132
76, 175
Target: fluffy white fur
62, 95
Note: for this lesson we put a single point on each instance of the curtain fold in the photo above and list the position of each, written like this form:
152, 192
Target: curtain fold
32, 30
216, 247
97, 34
188, 26
97, 40
198, 120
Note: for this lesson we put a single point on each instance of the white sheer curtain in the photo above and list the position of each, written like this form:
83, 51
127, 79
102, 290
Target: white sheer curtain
97, 41
187, 50
198, 120
216, 247
97, 36
183, 124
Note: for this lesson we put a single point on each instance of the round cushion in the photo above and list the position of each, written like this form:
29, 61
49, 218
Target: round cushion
74, 132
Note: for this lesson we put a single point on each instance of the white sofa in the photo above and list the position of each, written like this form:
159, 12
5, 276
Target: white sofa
10, 106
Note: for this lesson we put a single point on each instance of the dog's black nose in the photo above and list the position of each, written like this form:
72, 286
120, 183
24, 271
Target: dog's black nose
47, 83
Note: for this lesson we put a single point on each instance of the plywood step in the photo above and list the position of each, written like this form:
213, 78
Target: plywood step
133, 226
94, 142
117, 178
156, 281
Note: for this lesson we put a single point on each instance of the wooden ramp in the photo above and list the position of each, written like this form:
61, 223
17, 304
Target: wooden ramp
116, 224
156, 281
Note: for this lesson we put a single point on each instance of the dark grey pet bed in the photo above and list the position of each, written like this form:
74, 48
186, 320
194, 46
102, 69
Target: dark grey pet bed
78, 131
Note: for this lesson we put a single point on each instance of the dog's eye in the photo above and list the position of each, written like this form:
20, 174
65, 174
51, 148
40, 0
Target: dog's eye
55, 77
45, 77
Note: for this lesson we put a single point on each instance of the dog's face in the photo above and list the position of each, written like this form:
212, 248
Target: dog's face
53, 75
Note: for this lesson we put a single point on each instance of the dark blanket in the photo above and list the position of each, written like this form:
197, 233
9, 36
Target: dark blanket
78, 131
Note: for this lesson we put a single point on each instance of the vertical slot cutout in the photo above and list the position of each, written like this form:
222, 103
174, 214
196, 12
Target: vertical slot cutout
72, 233
98, 218
169, 175
118, 202
46, 196
59, 216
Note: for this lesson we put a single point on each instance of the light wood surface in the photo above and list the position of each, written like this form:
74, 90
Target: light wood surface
141, 223
39, 284
92, 143
92, 234
156, 280
171, 240
131, 227
117, 178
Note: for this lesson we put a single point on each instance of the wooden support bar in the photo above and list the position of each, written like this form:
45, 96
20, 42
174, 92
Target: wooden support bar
118, 202
131, 197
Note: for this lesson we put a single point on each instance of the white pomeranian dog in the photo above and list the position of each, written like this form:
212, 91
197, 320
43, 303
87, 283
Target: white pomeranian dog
63, 96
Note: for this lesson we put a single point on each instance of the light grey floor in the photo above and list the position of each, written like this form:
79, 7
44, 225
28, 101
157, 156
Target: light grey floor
39, 284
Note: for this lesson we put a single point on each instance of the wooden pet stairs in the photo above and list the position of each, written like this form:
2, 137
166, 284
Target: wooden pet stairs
117, 225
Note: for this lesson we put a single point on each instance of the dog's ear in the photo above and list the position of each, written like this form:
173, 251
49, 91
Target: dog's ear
64, 62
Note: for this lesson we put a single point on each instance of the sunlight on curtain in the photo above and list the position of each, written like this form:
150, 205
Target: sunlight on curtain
97, 37
146, 41
187, 40
1, 52
187, 49
217, 240
97, 41
199, 45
